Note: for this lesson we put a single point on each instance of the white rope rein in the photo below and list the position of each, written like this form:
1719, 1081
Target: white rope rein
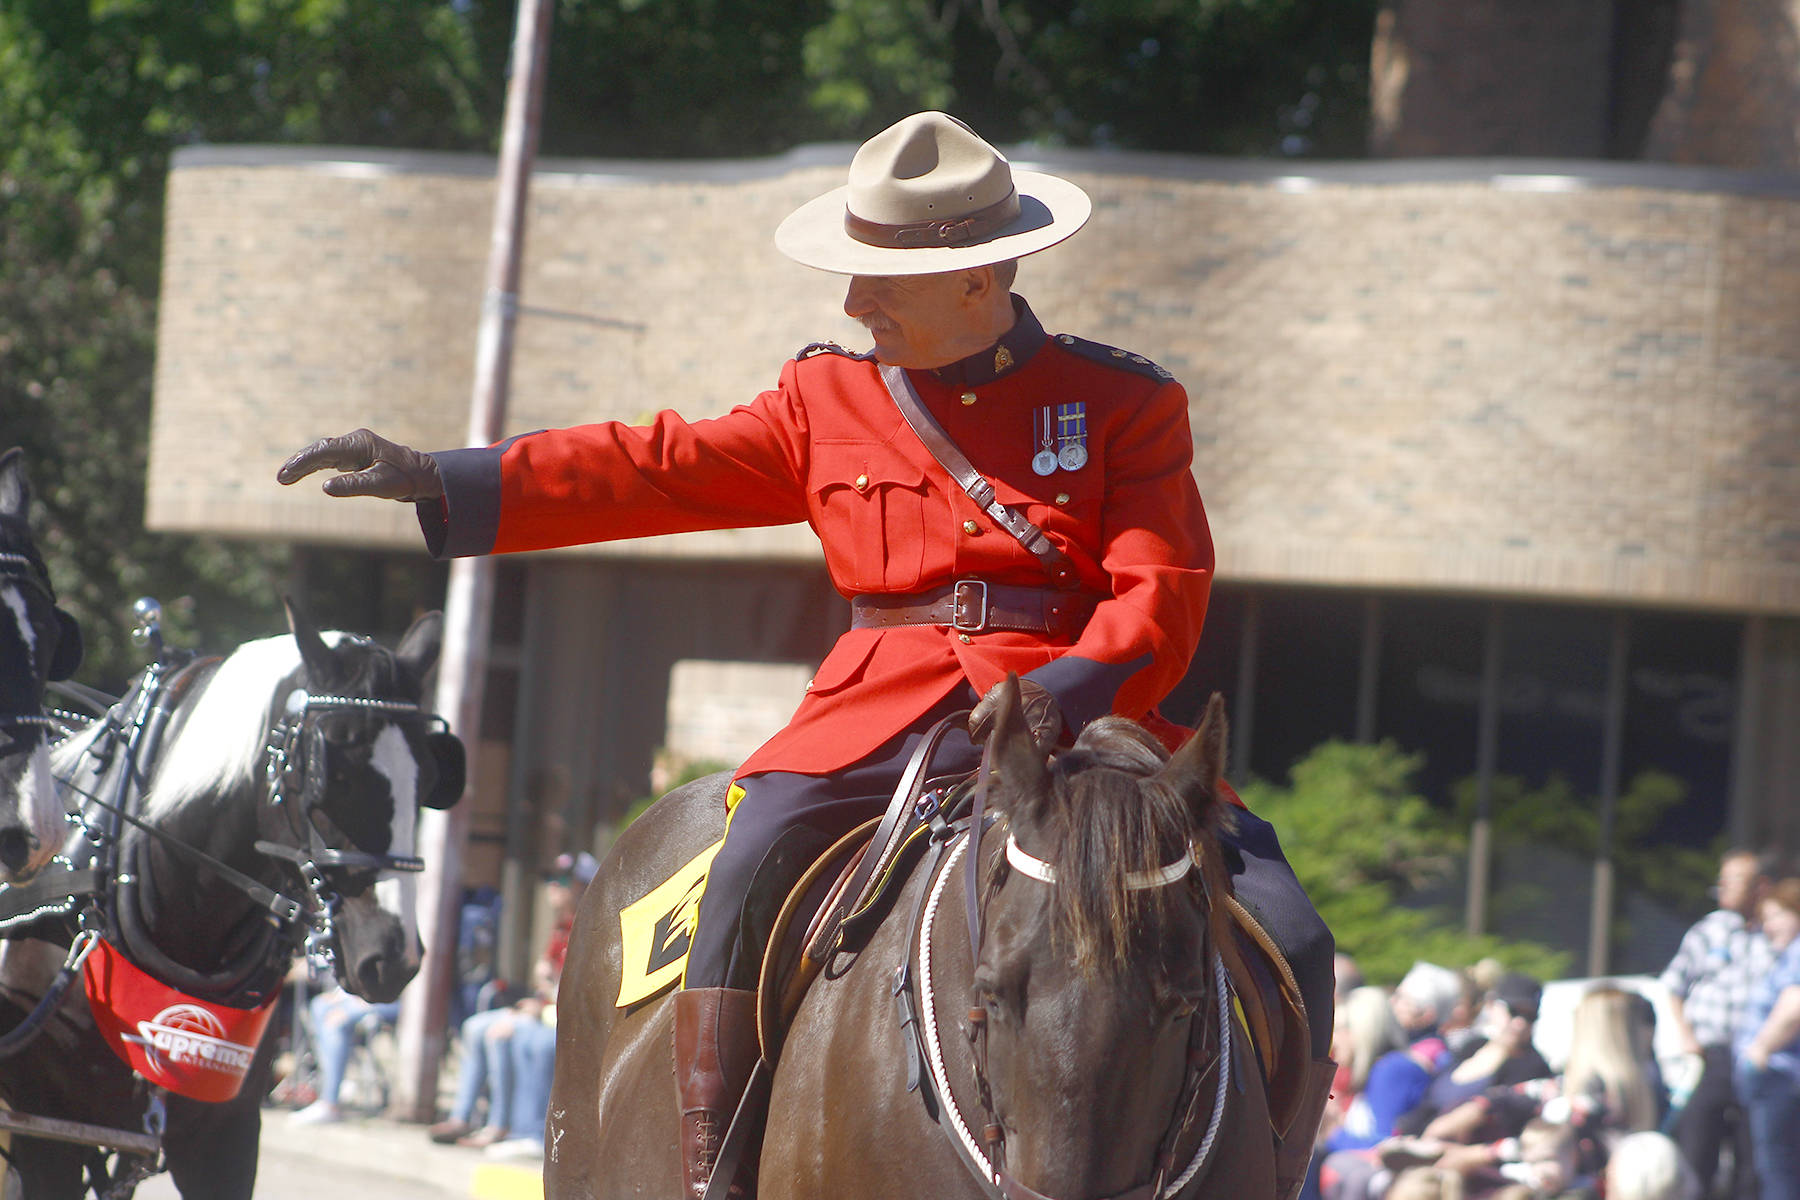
1038, 869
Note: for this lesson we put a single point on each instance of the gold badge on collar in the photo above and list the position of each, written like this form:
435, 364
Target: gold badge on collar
1002, 359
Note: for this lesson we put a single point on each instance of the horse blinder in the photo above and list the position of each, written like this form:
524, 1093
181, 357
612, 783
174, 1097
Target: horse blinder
452, 769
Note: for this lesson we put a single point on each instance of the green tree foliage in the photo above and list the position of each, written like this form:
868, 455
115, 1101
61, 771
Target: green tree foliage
94, 97
1365, 845
1201, 76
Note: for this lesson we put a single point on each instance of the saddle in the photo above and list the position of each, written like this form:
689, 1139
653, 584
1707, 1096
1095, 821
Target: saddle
848, 889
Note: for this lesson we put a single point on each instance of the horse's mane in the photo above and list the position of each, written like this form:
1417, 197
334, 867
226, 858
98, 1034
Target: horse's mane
1107, 813
230, 725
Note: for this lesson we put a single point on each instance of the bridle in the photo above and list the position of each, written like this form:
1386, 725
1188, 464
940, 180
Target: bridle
295, 771
986, 1156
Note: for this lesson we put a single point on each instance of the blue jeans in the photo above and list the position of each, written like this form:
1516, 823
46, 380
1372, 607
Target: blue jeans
1772, 1101
533, 1066
336, 1018
484, 1068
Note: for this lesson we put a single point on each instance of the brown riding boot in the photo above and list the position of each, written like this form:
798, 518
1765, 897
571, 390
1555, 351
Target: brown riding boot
715, 1049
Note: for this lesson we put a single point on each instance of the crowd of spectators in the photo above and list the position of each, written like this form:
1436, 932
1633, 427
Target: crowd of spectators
1442, 1093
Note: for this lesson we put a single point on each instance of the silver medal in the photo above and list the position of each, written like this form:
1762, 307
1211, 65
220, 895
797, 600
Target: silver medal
1044, 433
1071, 431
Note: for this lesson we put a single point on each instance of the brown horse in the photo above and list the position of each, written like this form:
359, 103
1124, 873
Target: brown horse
1084, 1049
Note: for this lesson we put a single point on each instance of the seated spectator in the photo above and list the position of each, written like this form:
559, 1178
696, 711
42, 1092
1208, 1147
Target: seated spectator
509, 1052
1398, 1079
1503, 1057
338, 1019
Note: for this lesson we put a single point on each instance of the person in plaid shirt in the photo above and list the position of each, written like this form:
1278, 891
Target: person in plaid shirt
1709, 980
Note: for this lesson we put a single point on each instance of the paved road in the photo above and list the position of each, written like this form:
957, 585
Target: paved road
371, 1159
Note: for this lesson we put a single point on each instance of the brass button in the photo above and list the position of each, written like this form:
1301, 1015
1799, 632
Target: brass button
969, 398
971, 528
964, 638
862, 483
1062, 497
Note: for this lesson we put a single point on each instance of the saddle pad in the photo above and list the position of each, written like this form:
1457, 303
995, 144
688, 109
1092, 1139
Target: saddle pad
656, 931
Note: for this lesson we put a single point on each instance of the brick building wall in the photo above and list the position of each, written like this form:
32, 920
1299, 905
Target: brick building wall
1579, 385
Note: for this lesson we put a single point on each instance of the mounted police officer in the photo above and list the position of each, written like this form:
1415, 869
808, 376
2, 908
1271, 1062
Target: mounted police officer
1069, 547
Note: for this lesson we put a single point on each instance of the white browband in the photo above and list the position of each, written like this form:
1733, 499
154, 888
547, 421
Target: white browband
1135, 881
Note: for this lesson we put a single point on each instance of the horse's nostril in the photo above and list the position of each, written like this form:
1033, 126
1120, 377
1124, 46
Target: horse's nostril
15, 848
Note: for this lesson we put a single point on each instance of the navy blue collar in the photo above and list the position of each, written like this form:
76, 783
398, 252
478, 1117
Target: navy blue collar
1012, 351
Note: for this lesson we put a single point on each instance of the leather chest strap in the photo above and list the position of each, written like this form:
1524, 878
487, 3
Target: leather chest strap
974, 605
906, 398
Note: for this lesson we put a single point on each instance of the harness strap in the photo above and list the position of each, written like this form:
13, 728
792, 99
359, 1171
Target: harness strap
22, 1034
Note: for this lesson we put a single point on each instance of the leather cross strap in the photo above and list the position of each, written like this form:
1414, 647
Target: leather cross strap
906, 398
975, 605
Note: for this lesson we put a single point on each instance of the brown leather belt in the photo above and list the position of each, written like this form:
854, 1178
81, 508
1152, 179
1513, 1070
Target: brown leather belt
975, 605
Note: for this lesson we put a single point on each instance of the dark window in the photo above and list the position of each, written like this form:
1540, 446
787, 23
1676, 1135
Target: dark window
1553, 681
1215, 664
1430, 690
1306, 671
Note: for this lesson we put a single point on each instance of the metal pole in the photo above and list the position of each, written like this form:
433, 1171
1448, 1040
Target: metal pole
1368, 672
462, 671
1612, 750
1487, 752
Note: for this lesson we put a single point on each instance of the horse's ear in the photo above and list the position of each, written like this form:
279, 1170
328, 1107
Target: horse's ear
15, 489
1196, 769
419, 648
315, 655
1014, 753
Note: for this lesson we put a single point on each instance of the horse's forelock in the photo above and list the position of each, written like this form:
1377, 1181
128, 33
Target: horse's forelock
229, 722
1108, 814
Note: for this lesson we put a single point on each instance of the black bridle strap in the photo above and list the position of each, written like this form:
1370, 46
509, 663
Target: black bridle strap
282, 908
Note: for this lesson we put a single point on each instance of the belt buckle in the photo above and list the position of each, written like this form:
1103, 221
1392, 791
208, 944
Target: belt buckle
960, 606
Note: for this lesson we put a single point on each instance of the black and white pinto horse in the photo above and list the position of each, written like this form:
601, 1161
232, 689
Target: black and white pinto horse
276, 803
38, 642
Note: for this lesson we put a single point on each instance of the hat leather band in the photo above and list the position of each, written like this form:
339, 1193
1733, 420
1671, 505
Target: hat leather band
958, 231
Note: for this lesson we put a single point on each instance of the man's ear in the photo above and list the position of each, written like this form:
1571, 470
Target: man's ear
978, 283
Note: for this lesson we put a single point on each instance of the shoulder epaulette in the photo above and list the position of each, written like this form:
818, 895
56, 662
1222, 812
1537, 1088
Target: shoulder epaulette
812, 348
1112, 356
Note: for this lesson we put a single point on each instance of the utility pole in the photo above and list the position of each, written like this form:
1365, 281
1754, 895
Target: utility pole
468, 610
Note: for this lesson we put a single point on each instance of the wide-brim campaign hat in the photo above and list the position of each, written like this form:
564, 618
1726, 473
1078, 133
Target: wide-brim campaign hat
927, 194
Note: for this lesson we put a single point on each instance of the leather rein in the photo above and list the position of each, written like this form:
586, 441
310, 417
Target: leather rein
984, 1156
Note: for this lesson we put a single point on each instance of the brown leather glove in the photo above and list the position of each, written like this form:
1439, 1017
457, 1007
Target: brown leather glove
373, 466
1043, 716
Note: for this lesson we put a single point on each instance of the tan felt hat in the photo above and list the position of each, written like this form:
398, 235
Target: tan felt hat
926, 195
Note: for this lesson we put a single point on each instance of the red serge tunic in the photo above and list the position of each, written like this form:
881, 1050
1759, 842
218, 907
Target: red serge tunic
828, 446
